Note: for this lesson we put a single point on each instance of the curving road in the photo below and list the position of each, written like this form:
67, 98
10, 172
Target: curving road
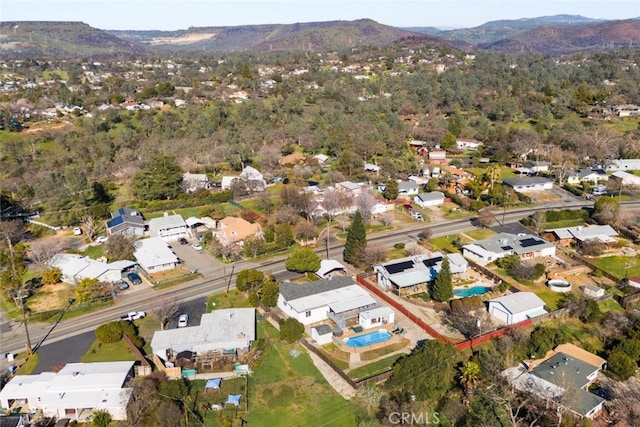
14, 339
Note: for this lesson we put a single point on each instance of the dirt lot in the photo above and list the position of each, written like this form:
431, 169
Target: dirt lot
50, 297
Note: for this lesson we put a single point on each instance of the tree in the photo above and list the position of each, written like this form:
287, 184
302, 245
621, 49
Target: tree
442, 288
386, 219
356, 238
391, 189
119, 247
306, 230
89, 289
51, 276
368, 256
270, 292
161, 180
89, 226
254, 245
291, 330
606, 210
249, 280
449, 141
165, 309
42, 250
101, 418
302, 261
428, 372
621, 364
365, 202
469, 378
486, 218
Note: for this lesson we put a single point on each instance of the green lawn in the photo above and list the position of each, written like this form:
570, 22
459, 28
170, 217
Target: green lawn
446, 243
234, 299
480, 234
617, 265
374, 368
550, 298
562, 224
100, 352
609, 305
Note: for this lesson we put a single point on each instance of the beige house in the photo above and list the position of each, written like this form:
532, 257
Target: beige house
233, 230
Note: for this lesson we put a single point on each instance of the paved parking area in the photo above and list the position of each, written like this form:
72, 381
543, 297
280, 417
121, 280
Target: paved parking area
193, 259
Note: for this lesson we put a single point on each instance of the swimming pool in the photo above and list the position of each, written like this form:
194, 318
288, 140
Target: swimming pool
368, 339
475, 290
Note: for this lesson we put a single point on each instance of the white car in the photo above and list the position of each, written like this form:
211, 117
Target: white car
102, 239
183, 320
197, 246
77, 231
134, 315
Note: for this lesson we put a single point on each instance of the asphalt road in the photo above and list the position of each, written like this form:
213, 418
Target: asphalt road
13, 336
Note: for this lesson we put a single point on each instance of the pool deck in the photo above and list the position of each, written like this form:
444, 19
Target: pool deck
348, 333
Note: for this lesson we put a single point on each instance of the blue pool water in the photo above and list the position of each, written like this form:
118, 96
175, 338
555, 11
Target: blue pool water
368, 339
475, 290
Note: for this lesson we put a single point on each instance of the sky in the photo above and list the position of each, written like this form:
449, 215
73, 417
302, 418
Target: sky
177, 14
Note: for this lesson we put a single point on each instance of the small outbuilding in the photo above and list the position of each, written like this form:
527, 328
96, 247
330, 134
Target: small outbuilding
515, 308
322, 334
593, 291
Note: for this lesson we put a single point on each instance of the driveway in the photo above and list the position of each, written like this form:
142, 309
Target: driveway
192, 259
53, 356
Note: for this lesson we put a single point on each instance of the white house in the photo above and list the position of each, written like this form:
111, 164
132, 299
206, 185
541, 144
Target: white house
468, 144
370, 167
626, 179
254, 179
624, 165
408, 188
75, 392
335, 298
192, 182
376, 317
531, 183
526, 246
226, 331
433, 198
154, 255
168, 227
75, 267
516, 307
593, 176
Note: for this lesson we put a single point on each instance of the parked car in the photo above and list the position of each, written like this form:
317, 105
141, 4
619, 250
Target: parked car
183, 320
122, 285
102, 239
134, 278
77, 231
197, 246
133, 315
183, 241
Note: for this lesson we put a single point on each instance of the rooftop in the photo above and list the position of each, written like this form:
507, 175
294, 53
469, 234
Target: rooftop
519, 302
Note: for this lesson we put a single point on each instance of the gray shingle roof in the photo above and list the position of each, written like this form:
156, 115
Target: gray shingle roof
292, 291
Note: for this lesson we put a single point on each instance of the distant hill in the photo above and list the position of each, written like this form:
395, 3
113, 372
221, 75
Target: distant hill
317, 36
30, 39
569, 39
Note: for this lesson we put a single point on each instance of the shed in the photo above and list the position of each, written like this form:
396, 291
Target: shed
593, 291
515, 308
322, 334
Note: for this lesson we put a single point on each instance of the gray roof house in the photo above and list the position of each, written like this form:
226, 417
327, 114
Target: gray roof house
527, 184
406, 274
126, 221
603, 233
168, 227
226, 331
155, 255
429, 199
75, 267
516, 307
192, 182
503, 244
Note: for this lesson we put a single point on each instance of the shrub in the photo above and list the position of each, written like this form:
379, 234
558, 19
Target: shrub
109, 333
254, 300
467, 304
291, 330
621, 364
398, 246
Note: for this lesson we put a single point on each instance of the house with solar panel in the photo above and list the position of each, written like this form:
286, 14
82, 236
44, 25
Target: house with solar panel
413, 274
126, 221
526, 246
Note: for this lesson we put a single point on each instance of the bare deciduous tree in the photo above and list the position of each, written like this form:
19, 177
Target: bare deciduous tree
306, 230
89, 226
43, 250
365, 203
415, 249
486, 218
386, 219
166, 308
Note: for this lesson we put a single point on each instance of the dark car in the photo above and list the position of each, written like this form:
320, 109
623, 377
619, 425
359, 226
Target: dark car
183, 241
134, 278
122, 285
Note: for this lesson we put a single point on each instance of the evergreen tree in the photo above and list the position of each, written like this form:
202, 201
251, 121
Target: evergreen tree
391, 189
442, 289
303, 260
356, 239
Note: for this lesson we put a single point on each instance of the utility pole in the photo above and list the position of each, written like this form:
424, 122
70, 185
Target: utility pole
230, 276
21, 296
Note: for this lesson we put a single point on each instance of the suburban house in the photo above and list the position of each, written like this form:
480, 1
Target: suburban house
74, 392
251, 176
454, 173
353, 188
75, 267
429, 199
623, 165
192, 182
126, 221
335, 298
437, 156
626, 179
408, 188
331, 267
321, 158
168, 227
413, 274
593, 176
370, 167
468, 144
516, 307
233, 230
563, 378
154, 255
530, 183
533, 167
568, 235
526, 246
227, 331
